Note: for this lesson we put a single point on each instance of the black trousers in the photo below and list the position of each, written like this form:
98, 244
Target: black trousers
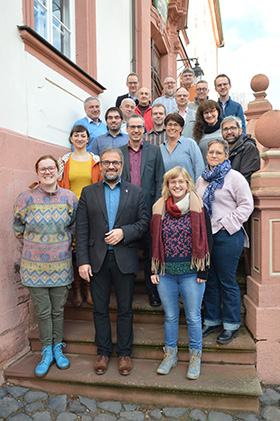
147, 246
100, 286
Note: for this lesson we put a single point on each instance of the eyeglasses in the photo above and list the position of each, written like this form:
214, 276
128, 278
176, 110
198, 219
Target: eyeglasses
172, 125
169, 83
132, 83
132, 127
43, 170
115, 164
174, 182
201, 89
218, 153
113, 117
214, 111
229, 129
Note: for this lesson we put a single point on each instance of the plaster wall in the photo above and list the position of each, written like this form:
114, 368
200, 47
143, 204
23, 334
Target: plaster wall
39, 102
114, 48
202, 43
18, 156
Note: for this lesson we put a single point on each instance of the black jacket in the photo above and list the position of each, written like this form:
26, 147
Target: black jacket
120, 98
245, 156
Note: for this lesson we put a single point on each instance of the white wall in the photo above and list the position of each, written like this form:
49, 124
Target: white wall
35, 101
114, 44
202, 42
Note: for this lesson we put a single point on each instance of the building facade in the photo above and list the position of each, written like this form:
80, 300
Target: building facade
54, 54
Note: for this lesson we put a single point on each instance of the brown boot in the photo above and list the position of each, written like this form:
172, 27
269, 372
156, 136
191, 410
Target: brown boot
87, 293
77, 299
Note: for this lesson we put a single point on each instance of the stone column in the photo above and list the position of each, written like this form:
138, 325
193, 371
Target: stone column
262, 301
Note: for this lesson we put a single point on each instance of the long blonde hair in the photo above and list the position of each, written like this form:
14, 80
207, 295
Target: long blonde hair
174, 173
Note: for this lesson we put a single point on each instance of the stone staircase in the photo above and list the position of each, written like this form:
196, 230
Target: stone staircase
228, 377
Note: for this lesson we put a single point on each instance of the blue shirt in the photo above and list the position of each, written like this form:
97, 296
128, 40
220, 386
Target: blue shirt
186, 154
112, 199
100, 142
94, 129
231, 107
168, 102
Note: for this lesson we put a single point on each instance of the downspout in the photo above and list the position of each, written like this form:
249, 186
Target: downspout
133, 40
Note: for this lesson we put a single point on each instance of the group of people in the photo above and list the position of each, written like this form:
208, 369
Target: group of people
173, 175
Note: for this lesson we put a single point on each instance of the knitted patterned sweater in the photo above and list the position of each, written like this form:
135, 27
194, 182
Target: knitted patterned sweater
44, 223
177, 240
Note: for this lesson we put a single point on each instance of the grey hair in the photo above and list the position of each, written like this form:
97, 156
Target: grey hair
135, 116
90, 98
112, 149
234, 119
187, 70
221, 142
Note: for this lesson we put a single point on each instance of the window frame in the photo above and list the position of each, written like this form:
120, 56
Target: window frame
70, 29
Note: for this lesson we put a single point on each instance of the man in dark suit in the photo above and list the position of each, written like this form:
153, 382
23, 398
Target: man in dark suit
143, 166
111, 217
132, 82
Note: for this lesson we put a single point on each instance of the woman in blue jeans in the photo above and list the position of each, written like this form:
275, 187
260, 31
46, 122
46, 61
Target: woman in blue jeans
181, 236
227, 196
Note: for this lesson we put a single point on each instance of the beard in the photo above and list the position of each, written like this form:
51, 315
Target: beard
111, 178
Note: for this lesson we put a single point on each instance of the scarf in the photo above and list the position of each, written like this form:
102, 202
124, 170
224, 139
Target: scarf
211, 129
200, 250
216, 180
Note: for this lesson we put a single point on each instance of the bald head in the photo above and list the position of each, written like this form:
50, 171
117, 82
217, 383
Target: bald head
127, 106
144, 96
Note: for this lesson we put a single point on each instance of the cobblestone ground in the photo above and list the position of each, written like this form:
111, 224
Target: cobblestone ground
23, 404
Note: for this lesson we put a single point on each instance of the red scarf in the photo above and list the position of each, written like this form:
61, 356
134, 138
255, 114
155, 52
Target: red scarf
200, 250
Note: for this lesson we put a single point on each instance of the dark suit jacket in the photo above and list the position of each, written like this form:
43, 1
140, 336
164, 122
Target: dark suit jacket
92, 224
152, 171
120, 98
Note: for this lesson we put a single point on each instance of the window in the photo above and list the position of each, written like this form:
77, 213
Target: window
54, 21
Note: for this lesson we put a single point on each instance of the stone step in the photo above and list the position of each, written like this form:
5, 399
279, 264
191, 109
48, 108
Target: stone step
149, 340
220, 386
142, 311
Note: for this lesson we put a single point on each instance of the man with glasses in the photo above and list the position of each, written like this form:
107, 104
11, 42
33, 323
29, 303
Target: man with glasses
187, 79
111, 217
168, 99
202, 91
132, 82
243, 152
114, 136
143, 166
91, 121
227, 105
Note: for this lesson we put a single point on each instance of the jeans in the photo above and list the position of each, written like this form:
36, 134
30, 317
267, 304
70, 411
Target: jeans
169, 289
49, 304
222, 287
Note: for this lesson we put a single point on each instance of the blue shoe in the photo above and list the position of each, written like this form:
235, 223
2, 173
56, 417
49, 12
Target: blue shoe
61, 361
43, 367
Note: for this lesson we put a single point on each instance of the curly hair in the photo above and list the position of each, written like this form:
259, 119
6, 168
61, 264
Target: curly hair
200, 123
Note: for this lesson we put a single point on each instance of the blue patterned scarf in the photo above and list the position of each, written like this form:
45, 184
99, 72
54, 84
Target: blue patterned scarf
216, 180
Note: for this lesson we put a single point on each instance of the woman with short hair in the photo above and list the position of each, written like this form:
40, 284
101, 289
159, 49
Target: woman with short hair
178, 150
44, 219
229, 202
78, 169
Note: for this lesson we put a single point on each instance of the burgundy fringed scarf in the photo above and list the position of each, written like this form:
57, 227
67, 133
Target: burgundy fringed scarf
200, 251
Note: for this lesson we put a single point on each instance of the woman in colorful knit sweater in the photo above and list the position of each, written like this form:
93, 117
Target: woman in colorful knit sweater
78, 169
44, 221
181, 234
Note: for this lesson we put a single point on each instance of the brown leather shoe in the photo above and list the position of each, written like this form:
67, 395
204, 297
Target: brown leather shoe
125, 365
101, 364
